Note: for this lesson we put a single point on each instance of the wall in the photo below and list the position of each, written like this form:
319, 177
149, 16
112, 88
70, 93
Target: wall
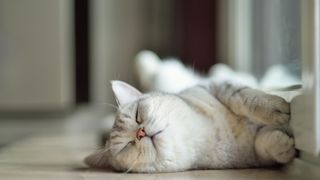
35, 55
119, 30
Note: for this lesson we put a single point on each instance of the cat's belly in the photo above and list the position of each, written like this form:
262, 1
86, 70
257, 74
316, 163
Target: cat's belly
230, 145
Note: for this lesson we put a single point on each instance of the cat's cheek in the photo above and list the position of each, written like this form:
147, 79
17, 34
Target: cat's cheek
148, 149
161, 141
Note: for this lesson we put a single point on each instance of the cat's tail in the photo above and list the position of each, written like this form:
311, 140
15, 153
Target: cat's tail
147, 64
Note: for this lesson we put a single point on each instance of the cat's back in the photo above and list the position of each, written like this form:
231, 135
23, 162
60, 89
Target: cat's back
202, 101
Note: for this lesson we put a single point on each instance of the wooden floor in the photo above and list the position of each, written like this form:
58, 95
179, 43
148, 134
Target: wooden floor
53, 148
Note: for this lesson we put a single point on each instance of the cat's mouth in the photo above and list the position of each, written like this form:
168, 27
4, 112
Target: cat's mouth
153, 139
157, 133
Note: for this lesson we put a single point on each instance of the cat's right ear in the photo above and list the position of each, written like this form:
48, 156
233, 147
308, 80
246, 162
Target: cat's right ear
124, 92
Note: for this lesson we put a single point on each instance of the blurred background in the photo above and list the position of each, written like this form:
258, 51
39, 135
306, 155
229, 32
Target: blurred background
57, 58
56, 55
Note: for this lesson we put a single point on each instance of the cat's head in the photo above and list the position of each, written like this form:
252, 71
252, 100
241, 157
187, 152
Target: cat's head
146, 135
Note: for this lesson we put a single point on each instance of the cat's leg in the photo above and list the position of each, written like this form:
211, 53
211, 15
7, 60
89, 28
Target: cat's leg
274, 144
258, 106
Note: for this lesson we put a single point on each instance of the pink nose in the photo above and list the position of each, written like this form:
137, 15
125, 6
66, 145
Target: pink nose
141, 133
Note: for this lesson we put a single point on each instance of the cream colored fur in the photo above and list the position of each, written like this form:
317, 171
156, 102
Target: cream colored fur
212, 126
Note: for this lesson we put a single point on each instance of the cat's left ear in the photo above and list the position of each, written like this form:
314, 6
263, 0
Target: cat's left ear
124, 92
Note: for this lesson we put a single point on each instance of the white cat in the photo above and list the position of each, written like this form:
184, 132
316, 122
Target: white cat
213, 126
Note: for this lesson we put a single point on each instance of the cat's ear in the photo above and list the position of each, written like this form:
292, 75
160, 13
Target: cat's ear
98, 159
124, 92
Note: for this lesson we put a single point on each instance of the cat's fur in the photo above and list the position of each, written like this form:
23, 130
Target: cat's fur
214, 126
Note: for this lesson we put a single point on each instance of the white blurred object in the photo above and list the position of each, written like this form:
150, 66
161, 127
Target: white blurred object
278, 76
169, 75
147, 64
222, 72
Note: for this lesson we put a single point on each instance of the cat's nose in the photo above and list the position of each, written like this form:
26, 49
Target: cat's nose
141, 133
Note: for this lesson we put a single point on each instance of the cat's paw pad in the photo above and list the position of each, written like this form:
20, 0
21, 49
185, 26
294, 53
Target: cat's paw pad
283, 150
273, 110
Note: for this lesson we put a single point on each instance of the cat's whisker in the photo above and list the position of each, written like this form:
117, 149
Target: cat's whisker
109, 104
102, 150
133, 164
98, 149
106, 150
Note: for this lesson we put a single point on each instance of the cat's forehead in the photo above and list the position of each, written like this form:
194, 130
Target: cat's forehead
145, 100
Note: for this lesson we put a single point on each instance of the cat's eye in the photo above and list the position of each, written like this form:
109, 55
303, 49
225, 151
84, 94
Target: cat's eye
138, 119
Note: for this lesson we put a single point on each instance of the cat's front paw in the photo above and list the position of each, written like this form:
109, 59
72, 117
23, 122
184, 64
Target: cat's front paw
282, 149
280, 110
273, 110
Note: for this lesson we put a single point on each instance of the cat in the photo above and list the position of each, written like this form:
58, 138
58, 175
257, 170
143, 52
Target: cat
209, 126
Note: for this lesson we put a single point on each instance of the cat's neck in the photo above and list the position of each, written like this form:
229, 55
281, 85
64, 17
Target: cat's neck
196, 125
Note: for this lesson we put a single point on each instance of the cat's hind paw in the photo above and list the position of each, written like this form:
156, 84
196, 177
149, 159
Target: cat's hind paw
282, 150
